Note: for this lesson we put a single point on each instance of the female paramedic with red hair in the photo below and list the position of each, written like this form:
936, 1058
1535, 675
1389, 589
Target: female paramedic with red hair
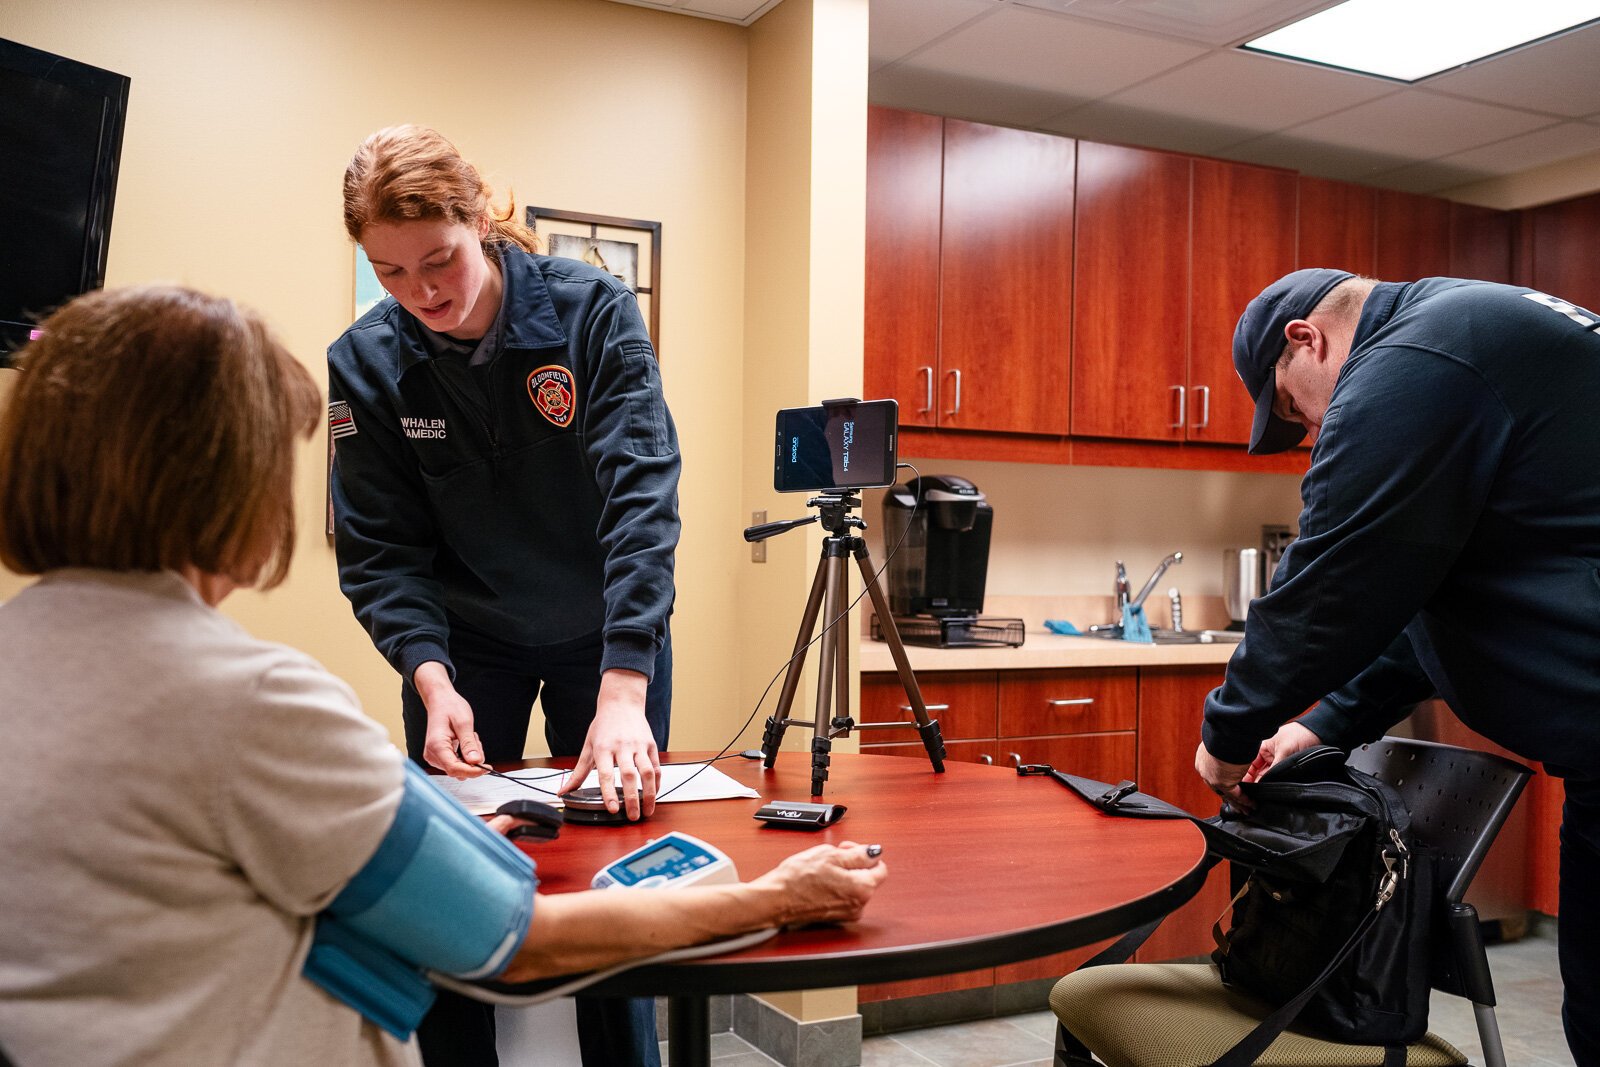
201, 828
505, 508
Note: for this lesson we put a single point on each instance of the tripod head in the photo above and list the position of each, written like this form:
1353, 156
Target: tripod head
833, 509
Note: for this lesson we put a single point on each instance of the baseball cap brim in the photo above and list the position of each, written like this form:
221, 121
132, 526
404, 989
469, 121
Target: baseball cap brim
1268, 433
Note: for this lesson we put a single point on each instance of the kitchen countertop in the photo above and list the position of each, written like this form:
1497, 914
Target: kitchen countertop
1043, 649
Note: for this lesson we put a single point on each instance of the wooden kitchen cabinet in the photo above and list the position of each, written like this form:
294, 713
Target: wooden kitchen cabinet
1480, 243
962, 701
905, 175
1564, 237
1244, 240
1131, 301
1036, 703
1413, 236
1171, 700
969, 272
1078, 720
1336, 225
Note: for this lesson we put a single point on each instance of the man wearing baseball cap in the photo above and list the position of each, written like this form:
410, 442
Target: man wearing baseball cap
1449, 545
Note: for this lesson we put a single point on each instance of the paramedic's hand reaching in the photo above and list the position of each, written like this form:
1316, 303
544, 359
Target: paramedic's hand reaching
826, 883
450, 743
1223, 778
1290, 738
620, 739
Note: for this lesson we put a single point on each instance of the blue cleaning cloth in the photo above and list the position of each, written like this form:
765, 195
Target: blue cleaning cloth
1135, 627
1061, 626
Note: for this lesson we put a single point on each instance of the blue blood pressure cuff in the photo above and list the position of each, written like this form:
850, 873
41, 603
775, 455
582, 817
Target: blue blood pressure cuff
442, 893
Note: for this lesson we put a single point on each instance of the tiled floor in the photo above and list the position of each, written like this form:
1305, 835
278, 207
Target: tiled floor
1525, 977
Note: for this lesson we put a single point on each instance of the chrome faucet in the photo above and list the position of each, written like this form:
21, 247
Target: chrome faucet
1124, 601
1138, 601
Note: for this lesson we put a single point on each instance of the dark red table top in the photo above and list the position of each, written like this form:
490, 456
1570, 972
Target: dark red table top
985, 868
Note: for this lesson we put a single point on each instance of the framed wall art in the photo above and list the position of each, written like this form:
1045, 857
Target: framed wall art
629, 249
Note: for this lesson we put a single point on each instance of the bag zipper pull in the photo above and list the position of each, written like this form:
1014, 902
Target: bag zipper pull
1405, 853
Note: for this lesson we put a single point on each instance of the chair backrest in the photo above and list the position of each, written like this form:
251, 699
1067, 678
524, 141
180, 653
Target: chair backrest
1458, 798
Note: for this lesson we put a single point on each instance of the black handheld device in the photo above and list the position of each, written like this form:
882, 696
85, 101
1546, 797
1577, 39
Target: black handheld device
839, 444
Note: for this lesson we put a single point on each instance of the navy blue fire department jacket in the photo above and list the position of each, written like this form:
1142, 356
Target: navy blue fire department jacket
535, 499
1449, 538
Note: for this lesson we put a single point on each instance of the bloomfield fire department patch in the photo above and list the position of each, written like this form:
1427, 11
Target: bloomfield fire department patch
551, 390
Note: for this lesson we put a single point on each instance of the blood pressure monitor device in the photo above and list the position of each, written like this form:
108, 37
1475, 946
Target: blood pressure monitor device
670, 861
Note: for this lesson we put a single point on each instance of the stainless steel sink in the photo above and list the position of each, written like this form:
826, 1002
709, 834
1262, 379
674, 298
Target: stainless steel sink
1175, 637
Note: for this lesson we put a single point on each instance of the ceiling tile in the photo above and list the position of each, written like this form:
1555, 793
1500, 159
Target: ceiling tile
1108, 120
1537, 149
1418, 125
1214, 22
896, 28
1052, 53
915, 89
1559, 76
1250, 92
745, 11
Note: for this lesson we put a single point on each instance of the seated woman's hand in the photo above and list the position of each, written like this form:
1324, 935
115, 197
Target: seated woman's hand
827, 883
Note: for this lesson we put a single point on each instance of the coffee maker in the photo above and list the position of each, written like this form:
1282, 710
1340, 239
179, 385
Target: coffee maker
937, 529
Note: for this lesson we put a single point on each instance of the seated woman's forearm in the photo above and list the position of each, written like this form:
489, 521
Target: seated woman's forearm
573, 932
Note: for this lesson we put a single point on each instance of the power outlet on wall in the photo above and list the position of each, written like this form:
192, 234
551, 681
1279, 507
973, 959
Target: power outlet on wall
758, 549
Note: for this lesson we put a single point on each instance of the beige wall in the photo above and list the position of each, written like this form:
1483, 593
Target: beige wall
241, 117
1059, 530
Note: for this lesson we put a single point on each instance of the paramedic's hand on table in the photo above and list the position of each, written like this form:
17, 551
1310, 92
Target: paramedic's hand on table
619, 739
1290, 738
826, 883
450, 744
1223, 778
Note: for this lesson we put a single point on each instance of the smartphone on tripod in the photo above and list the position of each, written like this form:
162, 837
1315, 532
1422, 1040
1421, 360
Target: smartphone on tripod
838, 444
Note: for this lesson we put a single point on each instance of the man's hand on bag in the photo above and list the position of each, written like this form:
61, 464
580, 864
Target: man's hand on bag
450, 743
619, 740
1223, 778
1290, 738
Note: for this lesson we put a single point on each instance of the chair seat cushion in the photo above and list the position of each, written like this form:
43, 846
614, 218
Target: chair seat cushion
1181, 1015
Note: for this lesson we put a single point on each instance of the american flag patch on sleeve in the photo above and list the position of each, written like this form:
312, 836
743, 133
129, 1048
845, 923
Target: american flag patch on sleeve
340, 422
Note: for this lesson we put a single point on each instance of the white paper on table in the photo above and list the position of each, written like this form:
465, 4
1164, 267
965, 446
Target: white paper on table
679, 781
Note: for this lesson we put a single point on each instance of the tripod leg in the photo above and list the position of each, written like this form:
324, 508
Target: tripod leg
833, 645
927, 728
820, 749
772, 737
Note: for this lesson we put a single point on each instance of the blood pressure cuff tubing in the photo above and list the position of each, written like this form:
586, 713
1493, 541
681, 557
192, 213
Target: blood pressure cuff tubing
442, 893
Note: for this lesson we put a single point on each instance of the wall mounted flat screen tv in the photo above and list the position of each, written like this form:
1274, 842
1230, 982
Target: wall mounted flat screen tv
60, 141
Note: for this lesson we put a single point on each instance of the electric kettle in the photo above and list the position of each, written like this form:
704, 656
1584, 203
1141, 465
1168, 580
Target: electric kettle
1241, 582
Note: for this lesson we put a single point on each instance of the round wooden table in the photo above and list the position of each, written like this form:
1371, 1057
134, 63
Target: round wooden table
985, 868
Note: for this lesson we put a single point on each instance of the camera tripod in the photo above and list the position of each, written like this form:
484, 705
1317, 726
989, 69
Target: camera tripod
829, 592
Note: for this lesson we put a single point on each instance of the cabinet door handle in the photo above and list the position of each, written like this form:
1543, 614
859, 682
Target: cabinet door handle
1181, 418
1065, 703
957, 409
927, 404
986, 758
1205, 406
930, 707
1015, 758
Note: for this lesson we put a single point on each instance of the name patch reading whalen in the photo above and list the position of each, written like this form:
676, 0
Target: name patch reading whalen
423, 429
553, 394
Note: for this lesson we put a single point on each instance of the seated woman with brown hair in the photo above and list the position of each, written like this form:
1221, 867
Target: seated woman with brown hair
182, 800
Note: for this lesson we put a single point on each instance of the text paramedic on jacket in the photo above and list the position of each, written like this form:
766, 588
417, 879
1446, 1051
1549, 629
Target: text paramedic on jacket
1449, 544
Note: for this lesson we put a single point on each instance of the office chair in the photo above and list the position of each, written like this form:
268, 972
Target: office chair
1181, 1015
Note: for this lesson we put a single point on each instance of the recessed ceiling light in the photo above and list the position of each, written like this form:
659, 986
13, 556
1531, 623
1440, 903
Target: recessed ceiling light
1408, 40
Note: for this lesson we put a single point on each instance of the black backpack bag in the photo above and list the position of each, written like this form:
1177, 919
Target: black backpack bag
1332, 906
